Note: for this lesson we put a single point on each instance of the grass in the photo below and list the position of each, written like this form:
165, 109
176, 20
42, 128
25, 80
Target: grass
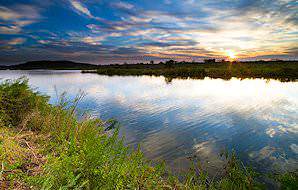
284, 70
44, 146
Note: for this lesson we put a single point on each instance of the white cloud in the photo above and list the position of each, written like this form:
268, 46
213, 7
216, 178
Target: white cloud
124, 5
81, 8
93, 40
140, 19
43, 41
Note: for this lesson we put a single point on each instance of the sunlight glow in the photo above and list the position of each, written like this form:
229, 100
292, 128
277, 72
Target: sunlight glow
231, 54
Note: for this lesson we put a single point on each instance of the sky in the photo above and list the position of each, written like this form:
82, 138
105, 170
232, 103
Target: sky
113, 31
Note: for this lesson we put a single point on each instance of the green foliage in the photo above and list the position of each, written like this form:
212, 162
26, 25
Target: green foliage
100, 162
234, 175
79, 153
288, 181
82, 154
17, 100
238, 176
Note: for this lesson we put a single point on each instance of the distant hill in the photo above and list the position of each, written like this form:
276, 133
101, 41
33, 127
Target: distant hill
59, 65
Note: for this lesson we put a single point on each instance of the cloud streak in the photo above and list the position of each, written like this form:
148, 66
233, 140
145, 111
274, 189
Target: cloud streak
17, 17
80, 8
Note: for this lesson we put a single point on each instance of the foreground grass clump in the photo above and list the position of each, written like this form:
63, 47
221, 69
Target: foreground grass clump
78, 154
43, 146
16, 100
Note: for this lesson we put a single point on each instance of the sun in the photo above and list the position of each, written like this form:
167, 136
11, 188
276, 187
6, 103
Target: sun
231, 54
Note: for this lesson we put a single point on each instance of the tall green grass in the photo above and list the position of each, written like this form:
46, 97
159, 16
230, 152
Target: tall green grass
65, 153
17, 100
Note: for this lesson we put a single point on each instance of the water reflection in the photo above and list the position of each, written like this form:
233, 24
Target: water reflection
173, 120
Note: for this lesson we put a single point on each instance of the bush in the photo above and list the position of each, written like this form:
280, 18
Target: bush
17, 100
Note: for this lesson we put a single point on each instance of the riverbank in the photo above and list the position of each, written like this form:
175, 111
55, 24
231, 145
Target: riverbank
284, 70
45, 146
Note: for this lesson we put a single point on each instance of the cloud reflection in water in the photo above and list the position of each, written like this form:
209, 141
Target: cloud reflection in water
258, 118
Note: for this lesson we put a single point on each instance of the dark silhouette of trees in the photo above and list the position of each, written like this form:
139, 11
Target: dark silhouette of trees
209, 61
170, 63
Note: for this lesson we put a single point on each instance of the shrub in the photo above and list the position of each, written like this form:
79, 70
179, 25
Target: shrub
17, 100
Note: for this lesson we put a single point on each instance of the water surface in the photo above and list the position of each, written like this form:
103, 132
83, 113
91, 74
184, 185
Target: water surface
186, 118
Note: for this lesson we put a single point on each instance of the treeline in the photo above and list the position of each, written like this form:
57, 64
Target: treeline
282, 70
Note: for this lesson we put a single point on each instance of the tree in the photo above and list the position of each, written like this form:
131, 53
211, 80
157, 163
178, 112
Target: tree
209, 60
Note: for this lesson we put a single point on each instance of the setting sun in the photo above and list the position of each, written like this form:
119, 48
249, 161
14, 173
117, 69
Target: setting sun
231, 54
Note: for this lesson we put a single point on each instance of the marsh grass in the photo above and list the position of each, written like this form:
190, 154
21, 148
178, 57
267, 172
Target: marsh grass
284, 70
45, 146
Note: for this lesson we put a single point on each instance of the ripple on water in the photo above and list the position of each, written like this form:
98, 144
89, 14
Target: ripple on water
258, 118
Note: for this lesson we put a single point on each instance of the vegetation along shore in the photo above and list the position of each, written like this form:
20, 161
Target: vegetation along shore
282, 70
44, 146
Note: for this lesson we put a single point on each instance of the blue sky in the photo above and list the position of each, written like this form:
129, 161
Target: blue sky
113, 31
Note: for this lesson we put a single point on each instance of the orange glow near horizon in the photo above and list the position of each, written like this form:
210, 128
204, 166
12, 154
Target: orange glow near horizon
231, 55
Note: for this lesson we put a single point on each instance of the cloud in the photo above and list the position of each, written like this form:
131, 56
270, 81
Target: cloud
140, 19
81, 8
294, 148
123, 5
292, 51
16, 41
19, 13
93, 40
44, 41
176, 43
8, 14
10, 45
10, 29
17, 17
113, 27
